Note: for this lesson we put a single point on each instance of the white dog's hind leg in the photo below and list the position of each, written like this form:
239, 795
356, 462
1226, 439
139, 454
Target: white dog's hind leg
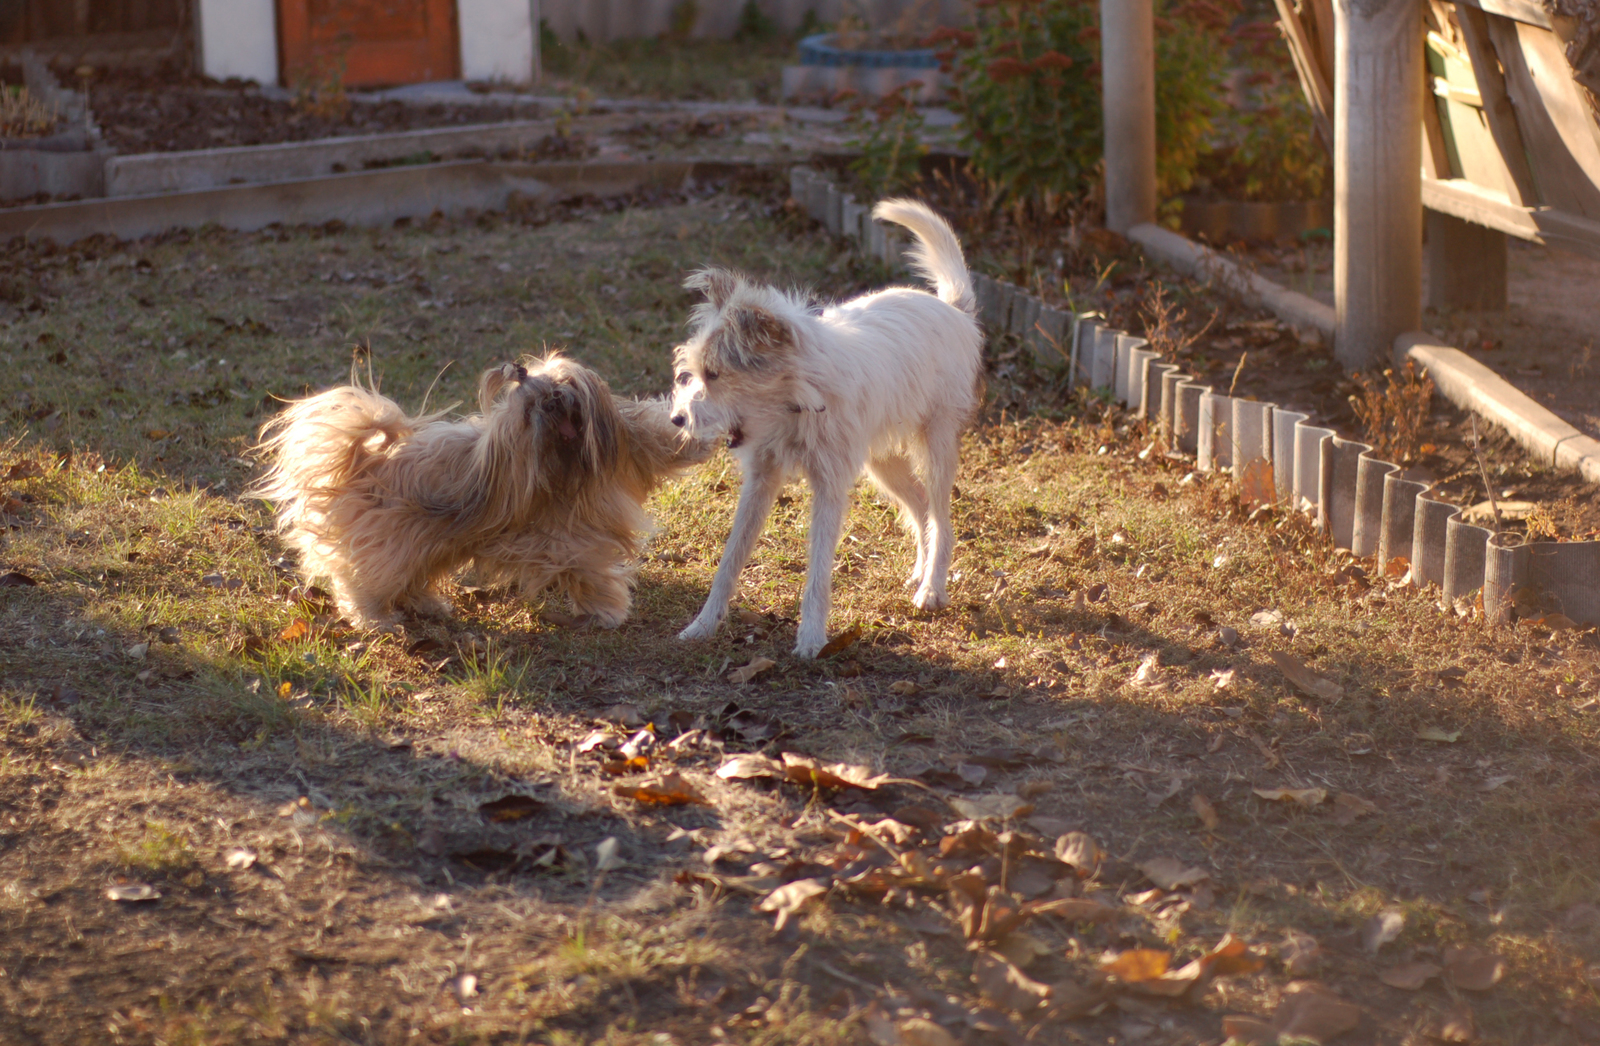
760, 490
829, 500
895, 477
944, 449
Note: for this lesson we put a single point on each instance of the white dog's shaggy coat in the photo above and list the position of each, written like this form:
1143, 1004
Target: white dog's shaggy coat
886, 382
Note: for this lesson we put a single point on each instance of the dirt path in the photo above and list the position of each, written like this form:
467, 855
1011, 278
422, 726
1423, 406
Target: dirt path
508, 829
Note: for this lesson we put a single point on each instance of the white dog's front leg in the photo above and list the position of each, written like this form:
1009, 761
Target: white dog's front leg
828, 503
760, 490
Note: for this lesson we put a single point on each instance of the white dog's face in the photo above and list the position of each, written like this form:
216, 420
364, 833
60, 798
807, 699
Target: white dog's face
736, 357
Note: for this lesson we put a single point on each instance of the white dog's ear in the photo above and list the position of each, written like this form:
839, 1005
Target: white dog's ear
751, 339
717, 285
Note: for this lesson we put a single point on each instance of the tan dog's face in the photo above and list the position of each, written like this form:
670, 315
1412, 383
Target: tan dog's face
555, 405
736, 355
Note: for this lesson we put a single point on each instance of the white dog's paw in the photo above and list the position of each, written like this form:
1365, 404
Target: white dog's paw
914, 579
699, 628
930, 598
807, 647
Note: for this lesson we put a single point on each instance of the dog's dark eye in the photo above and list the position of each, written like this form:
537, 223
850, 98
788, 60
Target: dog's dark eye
684, 377
711, 375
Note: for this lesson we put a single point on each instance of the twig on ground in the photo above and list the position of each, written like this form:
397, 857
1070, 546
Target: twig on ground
1483, 470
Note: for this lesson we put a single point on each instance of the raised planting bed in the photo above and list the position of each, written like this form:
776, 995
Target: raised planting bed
827, 68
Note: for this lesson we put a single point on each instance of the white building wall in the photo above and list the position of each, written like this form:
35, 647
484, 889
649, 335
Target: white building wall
497, 40
238, 38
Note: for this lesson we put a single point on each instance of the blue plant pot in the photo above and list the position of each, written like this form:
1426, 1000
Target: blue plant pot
821, 50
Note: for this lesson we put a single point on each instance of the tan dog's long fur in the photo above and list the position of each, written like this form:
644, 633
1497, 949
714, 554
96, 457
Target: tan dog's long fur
544, 487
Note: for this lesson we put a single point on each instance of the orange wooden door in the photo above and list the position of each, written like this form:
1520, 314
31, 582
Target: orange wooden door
378, 42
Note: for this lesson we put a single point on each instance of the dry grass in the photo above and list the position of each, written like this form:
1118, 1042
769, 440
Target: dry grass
351, 768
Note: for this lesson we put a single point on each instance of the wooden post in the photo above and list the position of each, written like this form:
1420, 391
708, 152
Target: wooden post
1377, 178
1128, 93
1466, 264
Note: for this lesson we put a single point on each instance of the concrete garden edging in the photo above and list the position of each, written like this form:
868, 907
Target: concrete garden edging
1362, 503
1458, 377
376, 197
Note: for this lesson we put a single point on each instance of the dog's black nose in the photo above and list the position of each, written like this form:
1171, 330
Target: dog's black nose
679, 419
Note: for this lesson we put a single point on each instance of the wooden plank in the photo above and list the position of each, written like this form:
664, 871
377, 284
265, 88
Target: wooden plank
1436, 153
1528, 12
1555, 120
1497, 107
1320, 33
1314, 84
1570, 231
1481, 206
1128, 101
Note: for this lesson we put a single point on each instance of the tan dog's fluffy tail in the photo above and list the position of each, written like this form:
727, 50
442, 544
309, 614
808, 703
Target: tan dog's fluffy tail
319, 444
937, 253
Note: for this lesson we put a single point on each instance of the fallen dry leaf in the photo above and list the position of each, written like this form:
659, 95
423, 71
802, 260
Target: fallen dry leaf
1080, 851
1409, 976
1305, 680
904, 688
239, 859
807, 770
997, 807
671, 790
1347, 807
1440, 734
1306, 797
510, 808
748, 672
133, 893
1473, 968
1020, 949
789, 898
16, 579
919, 1031
1312, 1011
1222, 678
843, 641
745, 767
1491, 783
1204, 810
1077, 910
1300, 953
1006, 986
1169, 873
1137, 965
296, 629
1381, 929
1453, 1025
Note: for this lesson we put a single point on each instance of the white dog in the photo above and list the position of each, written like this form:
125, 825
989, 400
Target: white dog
887, 381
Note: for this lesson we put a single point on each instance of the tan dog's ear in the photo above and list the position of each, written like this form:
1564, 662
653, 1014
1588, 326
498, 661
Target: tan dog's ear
493, 380
717, 285
751, 339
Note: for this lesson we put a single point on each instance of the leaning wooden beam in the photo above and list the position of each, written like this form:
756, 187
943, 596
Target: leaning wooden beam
1377, 178
1555, 120
1319, 95
1128, 95
1497, 105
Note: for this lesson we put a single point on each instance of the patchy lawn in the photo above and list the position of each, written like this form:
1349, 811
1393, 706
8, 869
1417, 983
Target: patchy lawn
508, 829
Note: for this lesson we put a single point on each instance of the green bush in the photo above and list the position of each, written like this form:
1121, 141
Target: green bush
1266, 149
1027, 85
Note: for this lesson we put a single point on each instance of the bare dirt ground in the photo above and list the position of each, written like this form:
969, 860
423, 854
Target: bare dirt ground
1545, 343
1164, 773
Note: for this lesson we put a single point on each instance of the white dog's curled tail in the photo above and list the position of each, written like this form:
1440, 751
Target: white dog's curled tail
937, 253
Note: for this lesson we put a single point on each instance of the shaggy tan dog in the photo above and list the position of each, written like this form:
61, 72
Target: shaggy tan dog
545, 487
